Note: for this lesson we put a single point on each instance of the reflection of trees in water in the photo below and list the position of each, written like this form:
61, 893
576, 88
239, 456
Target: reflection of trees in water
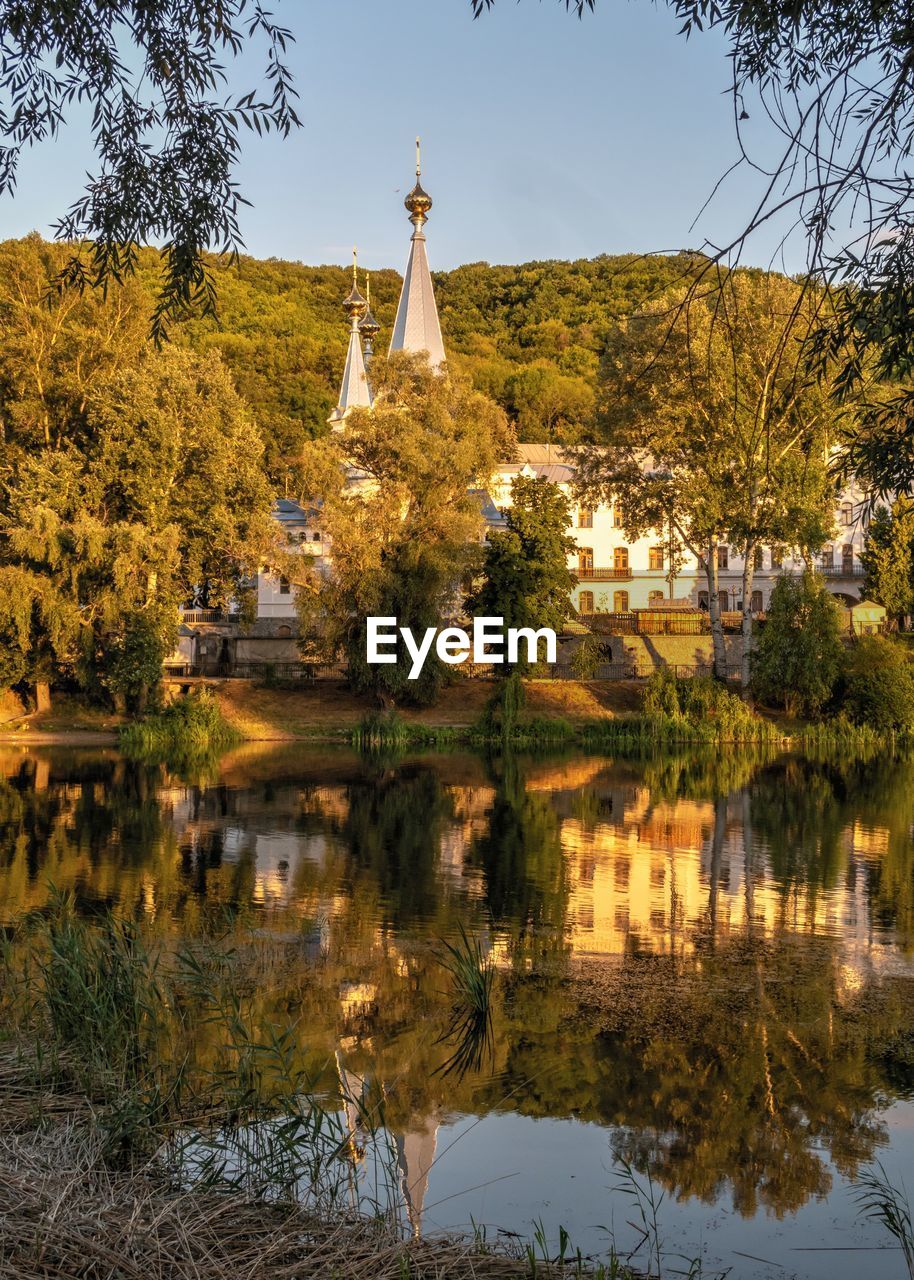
730, 1074
94, 827
732, 1069
521, 856
393, 831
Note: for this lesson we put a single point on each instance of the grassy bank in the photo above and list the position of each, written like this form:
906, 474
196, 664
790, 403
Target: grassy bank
191, 730
154, 1125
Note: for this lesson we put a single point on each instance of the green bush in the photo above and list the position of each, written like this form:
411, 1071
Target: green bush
798, 657
191, 729
878, 685
698, 707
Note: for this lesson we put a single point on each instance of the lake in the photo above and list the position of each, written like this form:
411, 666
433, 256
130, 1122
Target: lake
704, 970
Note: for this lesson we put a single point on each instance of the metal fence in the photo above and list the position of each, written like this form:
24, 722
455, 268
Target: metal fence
649, 622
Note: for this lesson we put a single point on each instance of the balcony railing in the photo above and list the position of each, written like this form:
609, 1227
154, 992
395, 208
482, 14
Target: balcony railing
842, 571
190, 616
599, 574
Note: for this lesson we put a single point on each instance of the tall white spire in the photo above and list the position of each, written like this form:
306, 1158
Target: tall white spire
354, 391
416, 327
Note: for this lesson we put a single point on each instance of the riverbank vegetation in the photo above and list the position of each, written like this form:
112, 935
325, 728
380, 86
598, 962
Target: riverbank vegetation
152, 1115
189, 732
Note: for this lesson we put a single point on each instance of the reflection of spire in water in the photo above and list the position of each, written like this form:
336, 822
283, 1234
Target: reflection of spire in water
415, 1157
352, 1091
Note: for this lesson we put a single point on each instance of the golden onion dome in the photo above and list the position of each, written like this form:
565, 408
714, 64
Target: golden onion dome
354, 304
368, 325
418, 202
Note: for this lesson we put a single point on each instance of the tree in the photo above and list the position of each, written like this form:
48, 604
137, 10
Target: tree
400, 501
708, 427
102, 540
799, 652
526, 579
834, 82
888, 558
879, 684
550, 406
165, 145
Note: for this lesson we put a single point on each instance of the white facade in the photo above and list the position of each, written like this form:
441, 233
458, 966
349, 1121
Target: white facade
616, 575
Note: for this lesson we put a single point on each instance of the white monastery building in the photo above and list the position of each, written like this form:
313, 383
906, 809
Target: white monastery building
615, 575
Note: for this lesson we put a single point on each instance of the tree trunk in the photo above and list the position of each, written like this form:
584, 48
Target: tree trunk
42, 695
745, 672
717, 626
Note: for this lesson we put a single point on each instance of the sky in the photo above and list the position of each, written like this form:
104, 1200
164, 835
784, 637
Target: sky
543, 136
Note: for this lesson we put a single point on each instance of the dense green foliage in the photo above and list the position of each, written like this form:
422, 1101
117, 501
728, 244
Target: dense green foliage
878, 685
698, 707
526, 576
408, 516
888, 558
188, 732
530, 336
798, 657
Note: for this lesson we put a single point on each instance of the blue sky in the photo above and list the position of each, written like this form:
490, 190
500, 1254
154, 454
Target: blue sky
543, 137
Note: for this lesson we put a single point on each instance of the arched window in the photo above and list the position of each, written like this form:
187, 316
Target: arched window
585, 602
316, 537
655, 597
283, 632
620, 602
847, 514
724, 602
703, 600
620, 559
585, 561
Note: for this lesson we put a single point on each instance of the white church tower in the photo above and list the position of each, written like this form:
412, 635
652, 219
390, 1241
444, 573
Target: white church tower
416, 327
354, 390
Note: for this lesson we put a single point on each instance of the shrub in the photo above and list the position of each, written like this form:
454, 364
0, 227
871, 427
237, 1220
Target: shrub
878, 685
798, 656
698, 707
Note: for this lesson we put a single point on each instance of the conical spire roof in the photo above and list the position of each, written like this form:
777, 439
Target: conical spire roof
354, 390
417, 327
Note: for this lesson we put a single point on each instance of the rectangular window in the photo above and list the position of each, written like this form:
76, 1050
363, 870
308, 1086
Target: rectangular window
585, 602
620, 602
758, 559
620, 559
284, 586
828, 557
585, 560
655, 558
585, 518
723, 557
847, 557
777, 561
617, 518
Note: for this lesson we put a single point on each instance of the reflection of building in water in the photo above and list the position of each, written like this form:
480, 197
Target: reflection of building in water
656, 876
415, 1157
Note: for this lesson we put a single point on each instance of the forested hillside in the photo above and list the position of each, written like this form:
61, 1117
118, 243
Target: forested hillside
530, 336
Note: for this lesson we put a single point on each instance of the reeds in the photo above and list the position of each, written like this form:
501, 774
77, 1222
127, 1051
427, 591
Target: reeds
192, 731
470, 1028
63, 1214
879, 1199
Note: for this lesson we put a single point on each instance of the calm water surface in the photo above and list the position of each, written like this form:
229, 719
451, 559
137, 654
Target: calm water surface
706, 968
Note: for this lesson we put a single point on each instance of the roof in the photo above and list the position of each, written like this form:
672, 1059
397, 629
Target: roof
417, 327
491, 514
288, 511
354, 393
542, 454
